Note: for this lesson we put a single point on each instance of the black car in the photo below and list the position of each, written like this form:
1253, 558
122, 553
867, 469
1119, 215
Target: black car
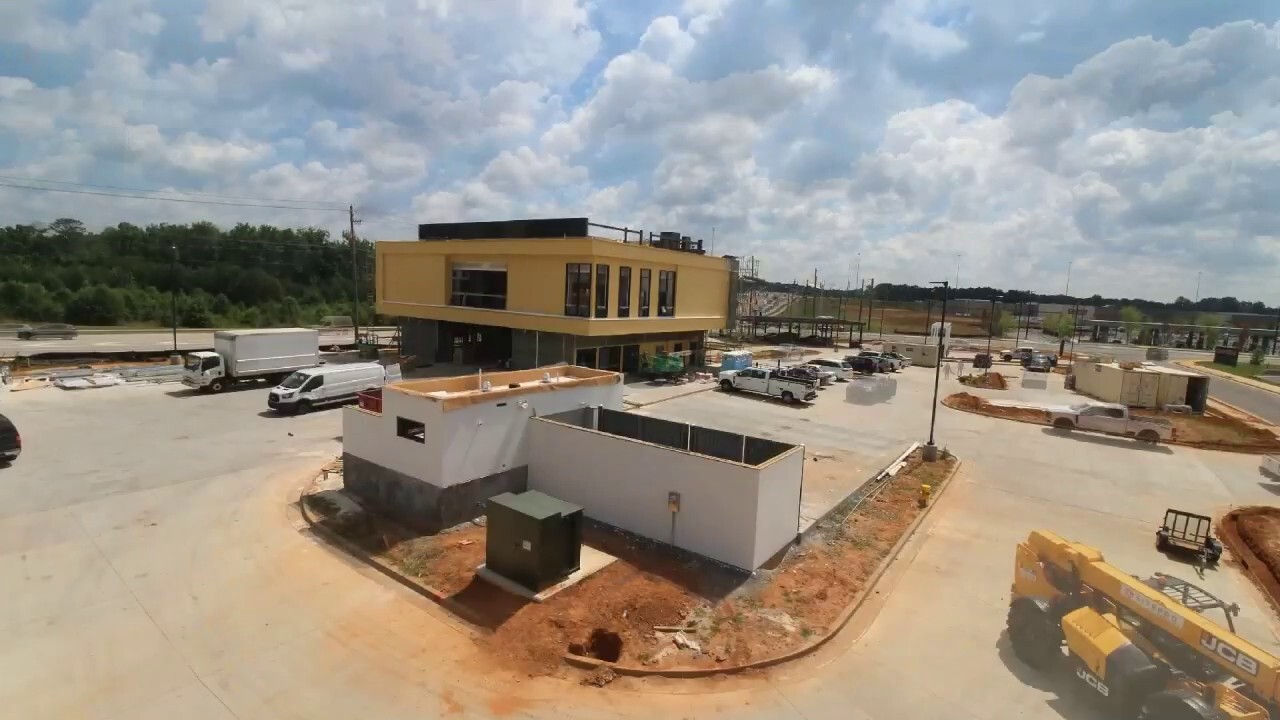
50, 330
1038, 363
864, 365
10, 440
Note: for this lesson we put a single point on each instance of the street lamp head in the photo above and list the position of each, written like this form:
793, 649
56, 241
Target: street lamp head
943, 283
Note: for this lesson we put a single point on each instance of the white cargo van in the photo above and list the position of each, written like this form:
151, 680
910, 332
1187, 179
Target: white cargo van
331, 384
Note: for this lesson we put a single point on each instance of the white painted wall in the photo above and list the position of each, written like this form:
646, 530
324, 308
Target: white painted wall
373, 438
465, 443
778, 504
625, 483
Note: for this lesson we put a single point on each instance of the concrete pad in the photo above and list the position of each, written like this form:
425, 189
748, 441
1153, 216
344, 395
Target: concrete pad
591, 561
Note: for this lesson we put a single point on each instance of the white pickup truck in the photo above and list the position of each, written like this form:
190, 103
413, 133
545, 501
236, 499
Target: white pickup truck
768, 382
1112, 419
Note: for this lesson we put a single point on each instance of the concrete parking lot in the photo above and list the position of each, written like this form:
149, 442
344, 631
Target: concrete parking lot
152, 569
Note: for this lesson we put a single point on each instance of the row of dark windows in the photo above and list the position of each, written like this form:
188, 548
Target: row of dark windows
577, 291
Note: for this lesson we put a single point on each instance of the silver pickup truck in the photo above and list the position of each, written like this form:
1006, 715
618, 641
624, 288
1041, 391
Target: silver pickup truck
1112, 419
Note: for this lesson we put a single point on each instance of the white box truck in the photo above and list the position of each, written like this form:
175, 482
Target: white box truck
242, 355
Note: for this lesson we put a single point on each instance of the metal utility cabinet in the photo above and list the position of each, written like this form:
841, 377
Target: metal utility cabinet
533, 539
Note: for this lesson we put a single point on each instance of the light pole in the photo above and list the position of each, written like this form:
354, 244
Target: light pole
991, 328
173, 295
931, 450
1197, 300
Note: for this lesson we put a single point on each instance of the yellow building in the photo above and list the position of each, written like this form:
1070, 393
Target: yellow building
538, 292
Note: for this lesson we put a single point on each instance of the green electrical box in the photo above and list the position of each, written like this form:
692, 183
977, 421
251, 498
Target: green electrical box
533, 539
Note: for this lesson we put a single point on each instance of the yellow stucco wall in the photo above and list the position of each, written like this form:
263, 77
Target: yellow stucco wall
413, 281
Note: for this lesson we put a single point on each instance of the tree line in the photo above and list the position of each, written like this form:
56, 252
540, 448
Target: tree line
246, 276
915, 293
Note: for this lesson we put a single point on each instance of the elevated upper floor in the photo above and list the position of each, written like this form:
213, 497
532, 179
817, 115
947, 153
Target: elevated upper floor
576, 285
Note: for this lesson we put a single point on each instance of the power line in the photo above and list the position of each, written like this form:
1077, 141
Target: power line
170, 199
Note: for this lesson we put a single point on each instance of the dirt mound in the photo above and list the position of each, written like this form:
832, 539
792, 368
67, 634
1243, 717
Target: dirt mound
1253, 534
1217, 433
975, 404
990, 381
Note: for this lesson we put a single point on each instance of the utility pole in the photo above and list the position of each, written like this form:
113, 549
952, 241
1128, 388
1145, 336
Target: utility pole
816, 294
1197, 300
991, 329
871, 305
1067, 292
173, 295
355, 279
860, 294
882, 321
928, 315
931, 450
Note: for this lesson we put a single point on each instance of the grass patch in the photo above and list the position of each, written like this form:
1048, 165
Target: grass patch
1244, 369
418, 558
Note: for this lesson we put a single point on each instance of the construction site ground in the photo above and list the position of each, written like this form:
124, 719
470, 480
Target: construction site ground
153, 568
656, 608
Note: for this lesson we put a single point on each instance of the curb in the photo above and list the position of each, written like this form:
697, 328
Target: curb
346, 546
849, 611
1192, 365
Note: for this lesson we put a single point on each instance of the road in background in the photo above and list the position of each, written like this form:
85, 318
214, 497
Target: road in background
145, 341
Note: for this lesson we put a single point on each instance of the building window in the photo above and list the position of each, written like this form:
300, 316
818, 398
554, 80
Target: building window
479, 288
624, 292
602, 291
644, 292
411, 430
577, 289
666, 293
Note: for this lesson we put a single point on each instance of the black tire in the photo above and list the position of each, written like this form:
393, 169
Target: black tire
788, 397
726, 386
1212, 551
302, 407
1162, 540
1064, 424
217, 386
1035, 637
1149, 436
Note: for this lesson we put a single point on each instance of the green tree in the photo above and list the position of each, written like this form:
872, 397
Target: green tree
96, 305
194, 311
1258, 356
1065, 325
1132, 318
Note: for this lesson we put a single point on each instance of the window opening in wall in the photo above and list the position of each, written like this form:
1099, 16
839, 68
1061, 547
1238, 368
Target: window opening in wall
577, 289
411, 430
479, 288
624, 292
666, 293
645, 275
602, 291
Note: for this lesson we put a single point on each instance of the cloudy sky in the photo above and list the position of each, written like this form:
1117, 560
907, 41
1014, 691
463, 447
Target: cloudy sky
1139, 140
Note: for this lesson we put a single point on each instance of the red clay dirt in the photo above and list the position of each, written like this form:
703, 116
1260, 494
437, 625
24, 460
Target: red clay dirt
990, 381
1253, 534
733, 617
1200, 431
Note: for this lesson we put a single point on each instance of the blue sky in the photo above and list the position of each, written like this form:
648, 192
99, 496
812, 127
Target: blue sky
1137, 140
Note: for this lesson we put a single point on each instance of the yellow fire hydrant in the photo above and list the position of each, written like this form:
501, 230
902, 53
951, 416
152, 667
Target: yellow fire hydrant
926, 490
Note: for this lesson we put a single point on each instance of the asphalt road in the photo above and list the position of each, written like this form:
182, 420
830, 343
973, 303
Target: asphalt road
142, 341
152, 569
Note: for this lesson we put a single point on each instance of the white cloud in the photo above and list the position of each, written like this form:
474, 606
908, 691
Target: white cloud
804, 132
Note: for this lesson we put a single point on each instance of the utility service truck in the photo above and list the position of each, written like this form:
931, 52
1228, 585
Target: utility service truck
243, 355
774, 383
1112, 419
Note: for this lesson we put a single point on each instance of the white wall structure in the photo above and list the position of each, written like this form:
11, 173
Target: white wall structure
440, 448
470, 433
736, 513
